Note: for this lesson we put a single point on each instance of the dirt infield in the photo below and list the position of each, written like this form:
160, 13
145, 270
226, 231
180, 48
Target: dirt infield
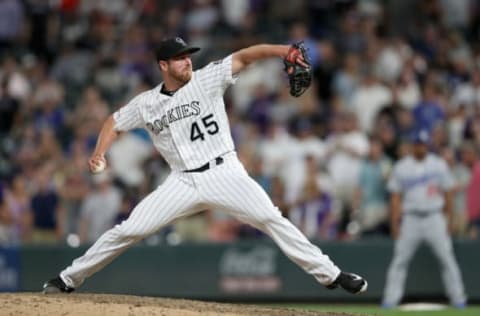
15, 304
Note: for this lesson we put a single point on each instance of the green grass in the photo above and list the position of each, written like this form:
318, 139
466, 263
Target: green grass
376, 310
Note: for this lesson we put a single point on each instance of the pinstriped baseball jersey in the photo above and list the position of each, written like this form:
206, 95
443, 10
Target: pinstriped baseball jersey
421, 182
191, 127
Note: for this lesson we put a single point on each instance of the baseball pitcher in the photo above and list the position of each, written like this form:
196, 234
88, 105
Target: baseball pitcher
187, 122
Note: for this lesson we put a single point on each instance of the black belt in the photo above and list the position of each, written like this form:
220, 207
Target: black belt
218, 161
421, 213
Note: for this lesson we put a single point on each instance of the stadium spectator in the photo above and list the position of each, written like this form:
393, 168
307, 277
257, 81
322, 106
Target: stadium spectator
273, 149
470, 158
73, 185
428, 113
405, 124
99, 209
11, 22
16, 199
461, 175
128, 168
45, 206
385, 133
72, 67
346, 147
9, 107
283, 108
456, 126
49, 111
255, 170
304, 144
313, 214
371, 204
407, 90
467, 93
5, 220
346, 80
370, 97
260, 107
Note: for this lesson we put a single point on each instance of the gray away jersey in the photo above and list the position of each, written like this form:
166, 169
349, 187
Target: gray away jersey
191, 127
422, 183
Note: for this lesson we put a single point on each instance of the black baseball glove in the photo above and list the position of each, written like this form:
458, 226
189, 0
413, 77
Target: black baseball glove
299, 76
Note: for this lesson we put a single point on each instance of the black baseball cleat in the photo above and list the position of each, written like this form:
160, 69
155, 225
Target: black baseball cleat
350, 282
56, 286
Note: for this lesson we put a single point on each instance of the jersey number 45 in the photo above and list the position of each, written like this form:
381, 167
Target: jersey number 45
209, 125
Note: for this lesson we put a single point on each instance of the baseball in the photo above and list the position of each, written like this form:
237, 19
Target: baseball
99, 167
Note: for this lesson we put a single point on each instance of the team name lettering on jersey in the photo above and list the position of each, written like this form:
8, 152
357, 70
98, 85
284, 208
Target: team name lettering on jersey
175, 114
410, 182
190, 127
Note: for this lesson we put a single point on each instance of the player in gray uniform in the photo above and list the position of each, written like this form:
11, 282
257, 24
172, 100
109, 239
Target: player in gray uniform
187, 122
421, 209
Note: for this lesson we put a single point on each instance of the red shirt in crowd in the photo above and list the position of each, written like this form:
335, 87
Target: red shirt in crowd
473, 194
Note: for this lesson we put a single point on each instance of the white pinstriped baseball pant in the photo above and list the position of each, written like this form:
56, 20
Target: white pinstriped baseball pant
226, 187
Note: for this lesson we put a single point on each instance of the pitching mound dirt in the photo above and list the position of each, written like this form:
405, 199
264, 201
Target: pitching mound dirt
16, 304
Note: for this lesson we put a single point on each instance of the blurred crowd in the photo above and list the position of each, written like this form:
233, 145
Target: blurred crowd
382, 70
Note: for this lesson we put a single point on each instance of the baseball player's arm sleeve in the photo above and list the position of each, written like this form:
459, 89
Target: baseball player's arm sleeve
126, 118
217, 76
244, 57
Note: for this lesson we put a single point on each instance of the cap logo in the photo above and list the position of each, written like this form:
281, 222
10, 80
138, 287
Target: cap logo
423, 135
180, 41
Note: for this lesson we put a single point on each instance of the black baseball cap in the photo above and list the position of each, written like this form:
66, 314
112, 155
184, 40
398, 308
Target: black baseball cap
172, 47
